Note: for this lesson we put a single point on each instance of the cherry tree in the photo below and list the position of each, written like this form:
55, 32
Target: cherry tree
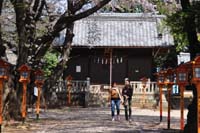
28, 28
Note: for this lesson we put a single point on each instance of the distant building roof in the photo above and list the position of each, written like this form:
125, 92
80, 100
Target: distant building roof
121, 30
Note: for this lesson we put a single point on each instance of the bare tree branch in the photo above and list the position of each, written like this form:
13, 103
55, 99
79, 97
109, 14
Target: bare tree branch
73, 7
67, 18
36, 5
91, 11
39, 13
61, 24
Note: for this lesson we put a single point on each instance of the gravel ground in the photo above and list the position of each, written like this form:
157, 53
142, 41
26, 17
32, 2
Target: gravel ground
94, 120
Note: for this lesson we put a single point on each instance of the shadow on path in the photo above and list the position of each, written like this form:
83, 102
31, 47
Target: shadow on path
91, 120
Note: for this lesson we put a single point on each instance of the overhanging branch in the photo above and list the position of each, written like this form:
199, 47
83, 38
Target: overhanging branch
91, 11
61, 24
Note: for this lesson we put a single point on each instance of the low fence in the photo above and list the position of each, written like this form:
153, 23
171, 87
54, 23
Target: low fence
78, 93
151, 87
84, 94
148, 97
145, 97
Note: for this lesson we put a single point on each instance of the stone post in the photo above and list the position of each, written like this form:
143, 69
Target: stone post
87, 93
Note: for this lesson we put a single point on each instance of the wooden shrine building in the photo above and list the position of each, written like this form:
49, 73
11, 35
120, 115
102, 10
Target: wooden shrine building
117, 46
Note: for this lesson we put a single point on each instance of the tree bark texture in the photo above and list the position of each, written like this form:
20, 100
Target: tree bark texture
2, 48
191, 125
190, 29
27, 14
194, 48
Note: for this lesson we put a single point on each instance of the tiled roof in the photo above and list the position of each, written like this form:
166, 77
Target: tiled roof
121, 30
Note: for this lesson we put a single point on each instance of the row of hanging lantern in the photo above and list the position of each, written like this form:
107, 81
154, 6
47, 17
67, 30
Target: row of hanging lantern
104, 60
183, 75
24, 79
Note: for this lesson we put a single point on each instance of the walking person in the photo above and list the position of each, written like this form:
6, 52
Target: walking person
115, 101
127, 94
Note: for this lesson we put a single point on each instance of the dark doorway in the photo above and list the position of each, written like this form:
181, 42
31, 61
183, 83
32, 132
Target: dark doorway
119, 73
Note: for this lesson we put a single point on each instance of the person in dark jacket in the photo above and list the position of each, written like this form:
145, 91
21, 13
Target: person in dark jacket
127, 94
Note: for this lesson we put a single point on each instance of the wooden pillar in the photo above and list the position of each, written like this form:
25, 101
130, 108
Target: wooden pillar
127, 71
1, 103
169, 106
111, 59
38, 102
89, 66
24, 101
69, 87
160, 90
143, 96
69, 95
182, 107
198, 107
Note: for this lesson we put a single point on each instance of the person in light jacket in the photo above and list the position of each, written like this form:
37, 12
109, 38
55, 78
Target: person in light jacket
115, 101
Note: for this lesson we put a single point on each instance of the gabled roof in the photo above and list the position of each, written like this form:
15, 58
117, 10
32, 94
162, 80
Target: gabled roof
121, 30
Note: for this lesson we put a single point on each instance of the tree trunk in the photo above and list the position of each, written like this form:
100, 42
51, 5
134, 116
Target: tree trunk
2, 48
191, 126
194, 48
190, 29
22, 35
10, 99
23, 22
58, 71
13, 89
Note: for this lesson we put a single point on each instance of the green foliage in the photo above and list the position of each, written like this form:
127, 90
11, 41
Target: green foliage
138, 8
106, 9
159, 60
176, 23
166, 59
196, 12
164, 8
51, 60
127, 6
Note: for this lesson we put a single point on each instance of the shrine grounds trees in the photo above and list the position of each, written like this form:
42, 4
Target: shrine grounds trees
184, 23
28, 28
183, 19
191, 28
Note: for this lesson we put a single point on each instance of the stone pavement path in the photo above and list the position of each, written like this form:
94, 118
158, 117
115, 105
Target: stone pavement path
94, 120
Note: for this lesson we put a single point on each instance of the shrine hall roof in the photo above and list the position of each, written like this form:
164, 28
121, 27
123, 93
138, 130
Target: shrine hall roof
122, 30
